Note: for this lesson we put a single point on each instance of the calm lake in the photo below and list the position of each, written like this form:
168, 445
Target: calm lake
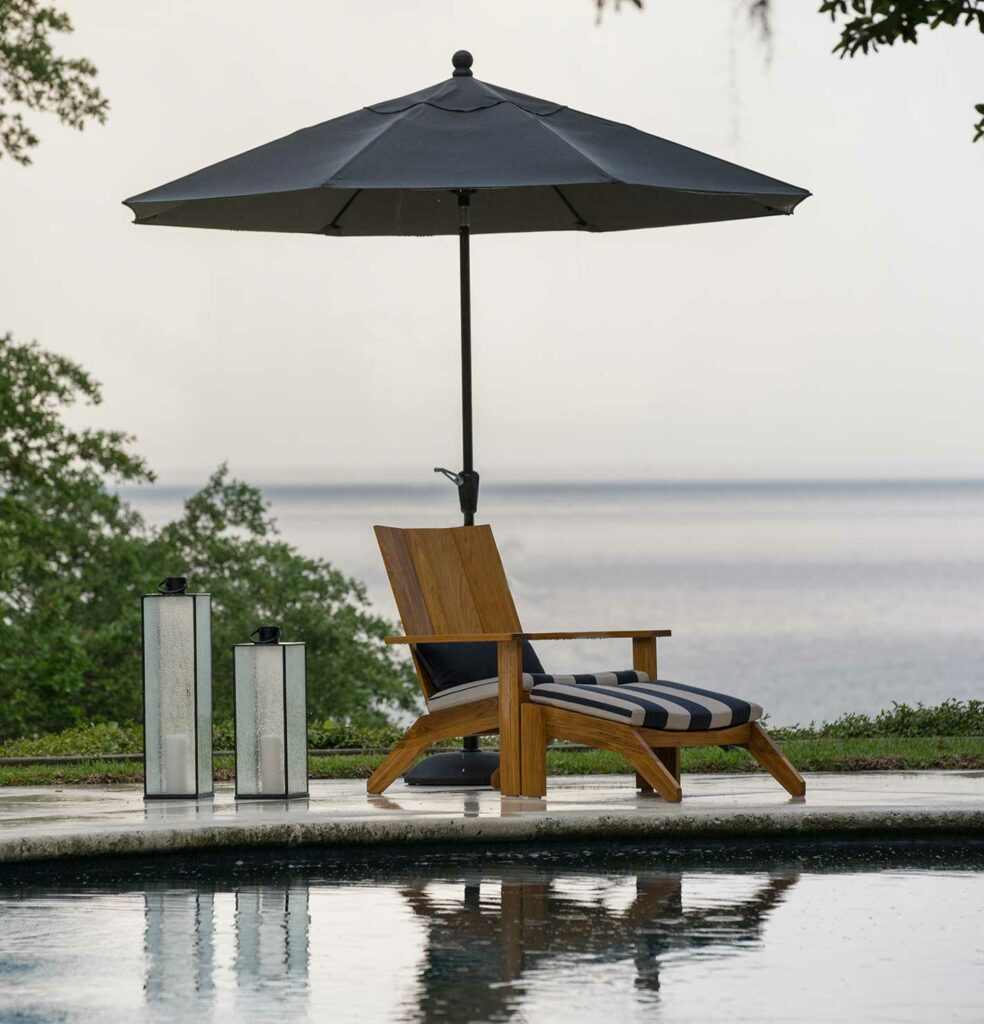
813, 599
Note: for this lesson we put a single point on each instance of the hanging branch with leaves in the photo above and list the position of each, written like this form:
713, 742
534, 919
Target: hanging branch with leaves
874, 23
868, 24
34, 77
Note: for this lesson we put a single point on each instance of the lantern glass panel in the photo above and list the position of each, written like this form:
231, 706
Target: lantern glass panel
203, 640
177, 661
260, 734
296, 702
170, 711
271, 720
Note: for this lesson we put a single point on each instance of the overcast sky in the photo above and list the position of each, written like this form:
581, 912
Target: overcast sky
842, 342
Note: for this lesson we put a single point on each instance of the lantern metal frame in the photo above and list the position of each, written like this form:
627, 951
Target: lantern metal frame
286, 794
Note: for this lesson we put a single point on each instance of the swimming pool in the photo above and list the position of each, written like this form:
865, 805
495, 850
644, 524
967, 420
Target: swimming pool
763, 933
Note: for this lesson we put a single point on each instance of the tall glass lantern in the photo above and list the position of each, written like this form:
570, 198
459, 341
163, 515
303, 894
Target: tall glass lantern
177, 691
271, 717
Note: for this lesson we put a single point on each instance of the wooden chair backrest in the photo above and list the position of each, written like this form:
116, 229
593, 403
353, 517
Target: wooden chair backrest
447, 581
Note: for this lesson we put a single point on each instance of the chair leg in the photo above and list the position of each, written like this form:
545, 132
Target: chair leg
494, 780
650, 767
510, 660
670, 756
642, 785
774, 761
534, 751
398, 760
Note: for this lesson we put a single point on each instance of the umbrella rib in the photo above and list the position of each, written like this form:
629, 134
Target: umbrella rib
333, 223
578, 219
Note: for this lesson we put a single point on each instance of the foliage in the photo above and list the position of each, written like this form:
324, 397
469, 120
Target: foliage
333, 735
34, 77
64, 540
869, 24
324, 734
600, 5
84, 741
951, 718
74, 558
127, 738
874, 23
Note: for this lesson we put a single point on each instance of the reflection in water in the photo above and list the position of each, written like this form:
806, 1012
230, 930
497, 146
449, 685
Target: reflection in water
481, 951
486, 936
178, 944
545, 938
272, 927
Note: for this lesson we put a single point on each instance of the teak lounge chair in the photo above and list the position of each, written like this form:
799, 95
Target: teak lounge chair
479, 675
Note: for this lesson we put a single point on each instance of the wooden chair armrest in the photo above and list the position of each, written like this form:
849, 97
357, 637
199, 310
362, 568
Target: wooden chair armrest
454, 638
469, 638
606, 634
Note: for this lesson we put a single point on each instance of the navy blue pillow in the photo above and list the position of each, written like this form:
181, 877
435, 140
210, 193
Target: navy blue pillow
451, 664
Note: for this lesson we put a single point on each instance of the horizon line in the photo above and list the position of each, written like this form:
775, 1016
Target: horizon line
581, 483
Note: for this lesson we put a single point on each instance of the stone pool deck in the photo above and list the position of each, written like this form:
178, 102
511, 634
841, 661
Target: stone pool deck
44, 822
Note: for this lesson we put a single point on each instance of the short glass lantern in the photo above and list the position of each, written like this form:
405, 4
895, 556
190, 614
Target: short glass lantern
177, 692
271, 717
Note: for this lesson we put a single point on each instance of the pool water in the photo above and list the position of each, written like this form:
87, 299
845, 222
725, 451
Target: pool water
525, 938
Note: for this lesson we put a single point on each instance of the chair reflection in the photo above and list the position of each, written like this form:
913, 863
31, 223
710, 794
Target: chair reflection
471, 804
480, 955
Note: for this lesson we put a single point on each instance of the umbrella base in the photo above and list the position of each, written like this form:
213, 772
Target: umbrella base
467, 769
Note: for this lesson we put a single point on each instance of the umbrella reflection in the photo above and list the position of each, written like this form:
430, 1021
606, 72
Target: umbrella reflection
482, 951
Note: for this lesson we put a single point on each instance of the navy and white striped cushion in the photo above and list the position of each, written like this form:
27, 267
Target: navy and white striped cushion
656, 705
617, 678
480, 689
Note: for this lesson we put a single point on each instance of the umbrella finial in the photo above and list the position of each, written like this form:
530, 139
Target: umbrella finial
462, 62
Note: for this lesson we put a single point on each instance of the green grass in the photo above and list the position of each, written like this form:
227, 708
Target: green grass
829, 754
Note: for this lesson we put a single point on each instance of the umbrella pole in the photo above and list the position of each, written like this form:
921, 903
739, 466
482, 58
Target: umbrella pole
470, 766
468, 500
467, 479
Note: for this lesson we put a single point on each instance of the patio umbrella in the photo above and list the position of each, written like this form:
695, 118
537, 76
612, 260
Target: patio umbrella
464, 157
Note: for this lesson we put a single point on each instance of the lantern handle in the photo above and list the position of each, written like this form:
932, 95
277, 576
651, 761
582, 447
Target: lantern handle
171, 585
266, 635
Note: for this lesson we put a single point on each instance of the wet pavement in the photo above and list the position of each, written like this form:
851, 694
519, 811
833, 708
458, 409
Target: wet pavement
45, 822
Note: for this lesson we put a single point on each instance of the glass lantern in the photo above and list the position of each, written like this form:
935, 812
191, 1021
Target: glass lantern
271, 717
177, 692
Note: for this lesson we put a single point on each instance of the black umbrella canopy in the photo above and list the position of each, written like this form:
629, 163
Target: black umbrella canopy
464, 157
531, 165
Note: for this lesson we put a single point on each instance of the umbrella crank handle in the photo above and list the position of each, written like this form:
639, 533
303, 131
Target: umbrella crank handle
467, 483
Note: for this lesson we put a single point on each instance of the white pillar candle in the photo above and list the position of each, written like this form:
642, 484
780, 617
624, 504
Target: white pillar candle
178, 764
272, 764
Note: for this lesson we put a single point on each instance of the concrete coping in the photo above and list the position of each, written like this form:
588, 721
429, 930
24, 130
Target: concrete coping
57, 823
